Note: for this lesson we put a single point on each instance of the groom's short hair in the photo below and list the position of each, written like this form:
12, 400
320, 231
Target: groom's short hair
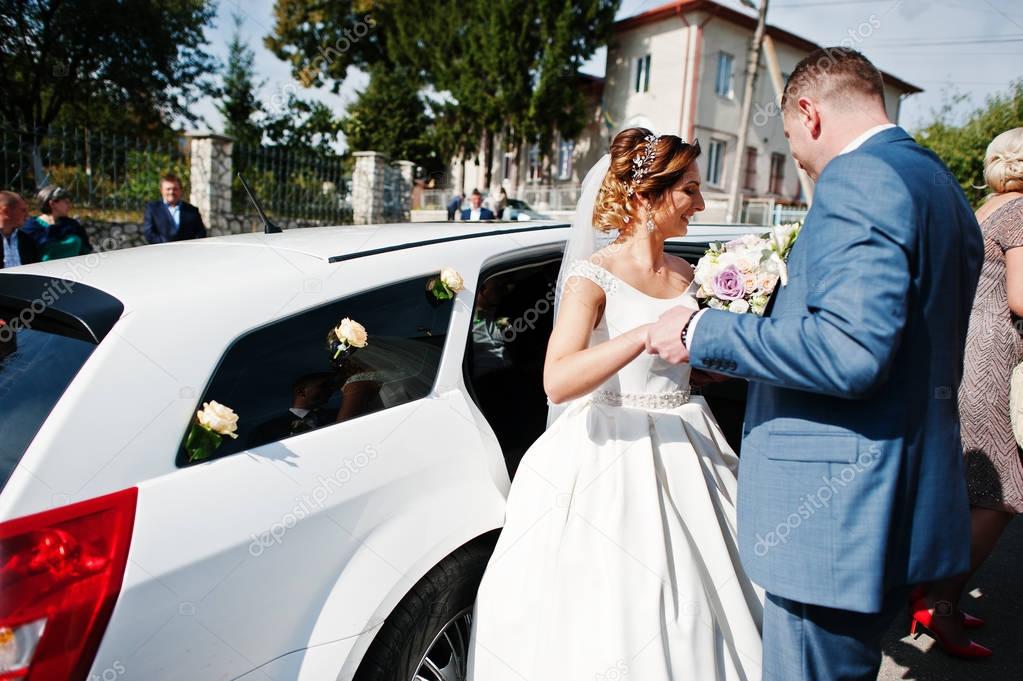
834, 73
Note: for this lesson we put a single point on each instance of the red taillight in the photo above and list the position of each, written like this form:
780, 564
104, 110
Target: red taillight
60, 573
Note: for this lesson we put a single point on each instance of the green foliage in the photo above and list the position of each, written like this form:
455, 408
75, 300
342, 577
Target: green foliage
390, 117
304, 126
322, 39
150, 57
961, 145
238, 104
509, 66
499, 66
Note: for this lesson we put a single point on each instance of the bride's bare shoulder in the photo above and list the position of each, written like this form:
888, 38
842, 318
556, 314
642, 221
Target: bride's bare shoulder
680, 265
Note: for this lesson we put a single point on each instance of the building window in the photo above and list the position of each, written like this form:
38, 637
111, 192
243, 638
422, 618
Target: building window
565, 151
723, 84
715, 161
777, 173
750, 178
643, 74
281, 382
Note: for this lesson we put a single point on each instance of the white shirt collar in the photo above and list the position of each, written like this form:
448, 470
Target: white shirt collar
856, 143
300, 412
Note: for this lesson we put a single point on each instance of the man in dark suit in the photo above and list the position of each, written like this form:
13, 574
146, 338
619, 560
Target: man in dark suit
18, 248
172, 219
477, 212
309, 396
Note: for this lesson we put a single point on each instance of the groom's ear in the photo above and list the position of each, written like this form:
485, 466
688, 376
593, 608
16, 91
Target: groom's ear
809, 116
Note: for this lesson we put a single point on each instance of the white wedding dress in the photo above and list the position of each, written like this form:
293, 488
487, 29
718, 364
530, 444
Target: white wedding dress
618, 555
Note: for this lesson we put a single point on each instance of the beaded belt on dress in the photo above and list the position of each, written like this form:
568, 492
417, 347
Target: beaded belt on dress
642, 400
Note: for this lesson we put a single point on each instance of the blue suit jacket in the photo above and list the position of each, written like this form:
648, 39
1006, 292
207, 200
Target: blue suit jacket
851, 481
159, 225
485, 213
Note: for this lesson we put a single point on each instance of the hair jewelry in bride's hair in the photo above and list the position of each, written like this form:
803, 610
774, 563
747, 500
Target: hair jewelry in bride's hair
642, 163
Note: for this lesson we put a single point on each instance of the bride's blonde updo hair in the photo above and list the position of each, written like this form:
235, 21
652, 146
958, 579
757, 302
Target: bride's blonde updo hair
672, 156
1003, 162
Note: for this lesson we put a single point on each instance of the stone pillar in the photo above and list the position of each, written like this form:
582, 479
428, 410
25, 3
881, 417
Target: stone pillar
408, 181
210, 180
368, 181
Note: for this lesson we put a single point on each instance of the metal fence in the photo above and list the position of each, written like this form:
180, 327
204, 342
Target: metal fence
112, 175
292, 184
102, 171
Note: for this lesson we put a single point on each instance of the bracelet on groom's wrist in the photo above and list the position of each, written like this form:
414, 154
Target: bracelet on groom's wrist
685, 328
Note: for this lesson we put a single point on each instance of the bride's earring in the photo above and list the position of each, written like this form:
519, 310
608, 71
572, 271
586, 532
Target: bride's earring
650, 226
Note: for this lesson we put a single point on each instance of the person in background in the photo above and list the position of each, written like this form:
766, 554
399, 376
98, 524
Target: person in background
502, 203
455, 205
994, 469
172, 219
477, 211
55, 233
18, 248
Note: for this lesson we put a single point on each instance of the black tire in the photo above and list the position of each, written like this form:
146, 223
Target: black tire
444, 596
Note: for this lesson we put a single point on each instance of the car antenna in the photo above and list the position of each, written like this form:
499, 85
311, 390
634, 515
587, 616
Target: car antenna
268, 227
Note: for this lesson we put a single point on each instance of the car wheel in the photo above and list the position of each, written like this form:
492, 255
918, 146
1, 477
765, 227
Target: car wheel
426, 637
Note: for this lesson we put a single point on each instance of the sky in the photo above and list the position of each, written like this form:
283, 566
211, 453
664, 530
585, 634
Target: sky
972, 47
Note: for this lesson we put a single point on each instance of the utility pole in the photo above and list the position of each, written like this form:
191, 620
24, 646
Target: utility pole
734, 206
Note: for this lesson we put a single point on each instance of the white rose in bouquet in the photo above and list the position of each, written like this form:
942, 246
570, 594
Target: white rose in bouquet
739, 306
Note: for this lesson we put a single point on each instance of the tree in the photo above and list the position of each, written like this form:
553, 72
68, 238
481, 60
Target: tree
238, 104
305, 127
58, 54
961, 145
511, 66
321, 40
390, 117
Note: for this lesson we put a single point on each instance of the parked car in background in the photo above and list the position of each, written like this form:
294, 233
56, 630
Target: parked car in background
344, 532
520, 210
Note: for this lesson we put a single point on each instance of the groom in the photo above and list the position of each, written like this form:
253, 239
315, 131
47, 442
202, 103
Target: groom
851, 482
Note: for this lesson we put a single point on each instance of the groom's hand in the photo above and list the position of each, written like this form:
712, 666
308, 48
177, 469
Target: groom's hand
664, 337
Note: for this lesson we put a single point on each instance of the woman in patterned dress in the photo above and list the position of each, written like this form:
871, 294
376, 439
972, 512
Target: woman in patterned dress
994, 346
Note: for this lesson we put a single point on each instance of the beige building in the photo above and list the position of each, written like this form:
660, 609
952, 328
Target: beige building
680, 69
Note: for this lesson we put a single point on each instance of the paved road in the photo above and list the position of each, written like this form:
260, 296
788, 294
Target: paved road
996, 594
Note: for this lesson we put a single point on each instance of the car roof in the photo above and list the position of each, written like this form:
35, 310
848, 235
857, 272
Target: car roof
228, 265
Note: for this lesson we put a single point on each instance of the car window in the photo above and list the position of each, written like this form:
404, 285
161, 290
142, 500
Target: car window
35, 369
281, 382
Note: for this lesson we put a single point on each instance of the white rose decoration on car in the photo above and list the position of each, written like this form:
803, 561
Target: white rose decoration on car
446, 285
344, 339
206, 434
352, 333
218, 418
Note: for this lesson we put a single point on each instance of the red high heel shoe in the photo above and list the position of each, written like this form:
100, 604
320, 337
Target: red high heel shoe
924, 617
969, 621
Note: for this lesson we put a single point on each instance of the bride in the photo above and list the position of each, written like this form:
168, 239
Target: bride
618, 554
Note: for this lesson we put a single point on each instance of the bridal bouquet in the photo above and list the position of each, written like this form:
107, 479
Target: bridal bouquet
740, 276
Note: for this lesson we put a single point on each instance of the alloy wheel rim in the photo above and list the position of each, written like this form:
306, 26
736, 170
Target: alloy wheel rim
446, 658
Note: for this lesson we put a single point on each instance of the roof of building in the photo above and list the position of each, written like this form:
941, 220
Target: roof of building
742, 19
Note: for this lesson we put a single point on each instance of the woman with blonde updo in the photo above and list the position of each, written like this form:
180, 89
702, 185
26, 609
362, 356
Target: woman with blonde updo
618, 554
994, 462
